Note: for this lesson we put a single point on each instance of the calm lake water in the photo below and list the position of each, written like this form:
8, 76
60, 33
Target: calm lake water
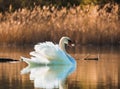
89, 74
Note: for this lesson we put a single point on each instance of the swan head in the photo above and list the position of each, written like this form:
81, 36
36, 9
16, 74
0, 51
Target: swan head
65, 41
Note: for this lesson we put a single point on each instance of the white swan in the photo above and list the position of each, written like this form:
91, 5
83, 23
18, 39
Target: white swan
49, 53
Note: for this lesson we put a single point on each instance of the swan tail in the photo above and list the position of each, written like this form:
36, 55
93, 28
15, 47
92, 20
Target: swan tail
32, 61
26, 60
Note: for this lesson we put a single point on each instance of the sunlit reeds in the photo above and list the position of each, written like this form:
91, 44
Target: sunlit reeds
84, 24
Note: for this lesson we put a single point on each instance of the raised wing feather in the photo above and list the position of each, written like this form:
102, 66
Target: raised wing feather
47, 49
51, 52
37, 57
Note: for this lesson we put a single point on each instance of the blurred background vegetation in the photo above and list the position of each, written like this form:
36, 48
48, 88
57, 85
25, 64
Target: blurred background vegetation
85, 21
12, 5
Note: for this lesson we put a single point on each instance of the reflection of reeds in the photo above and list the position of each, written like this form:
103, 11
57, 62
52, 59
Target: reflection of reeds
85, 25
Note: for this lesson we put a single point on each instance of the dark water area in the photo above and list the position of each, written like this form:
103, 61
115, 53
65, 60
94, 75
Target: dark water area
88, 74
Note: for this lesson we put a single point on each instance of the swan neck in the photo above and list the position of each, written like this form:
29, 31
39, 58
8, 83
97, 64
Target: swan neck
62, 45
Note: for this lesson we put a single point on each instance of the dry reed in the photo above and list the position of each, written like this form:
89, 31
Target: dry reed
84, 24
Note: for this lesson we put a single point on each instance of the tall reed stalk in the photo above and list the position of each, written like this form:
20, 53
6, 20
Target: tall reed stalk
84, 24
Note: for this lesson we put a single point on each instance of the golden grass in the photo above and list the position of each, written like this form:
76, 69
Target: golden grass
84, 24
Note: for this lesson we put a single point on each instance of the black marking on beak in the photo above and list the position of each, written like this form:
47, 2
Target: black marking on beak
69, 43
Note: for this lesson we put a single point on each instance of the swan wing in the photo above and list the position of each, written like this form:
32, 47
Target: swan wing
51, 52
39, 58
35, 60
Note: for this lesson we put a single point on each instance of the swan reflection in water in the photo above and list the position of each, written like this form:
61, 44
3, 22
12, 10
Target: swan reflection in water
49, 77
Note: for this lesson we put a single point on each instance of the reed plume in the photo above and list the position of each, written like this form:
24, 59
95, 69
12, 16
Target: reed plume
84, 24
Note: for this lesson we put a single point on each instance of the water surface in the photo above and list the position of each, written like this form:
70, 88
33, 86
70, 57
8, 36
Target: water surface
89, 74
